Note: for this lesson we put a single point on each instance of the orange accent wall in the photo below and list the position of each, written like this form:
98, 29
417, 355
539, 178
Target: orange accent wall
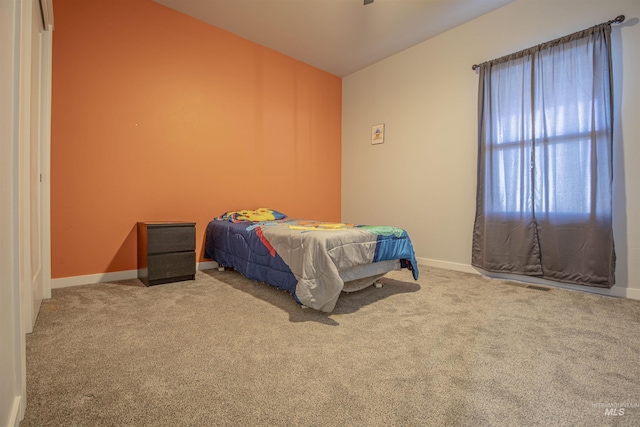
157, 116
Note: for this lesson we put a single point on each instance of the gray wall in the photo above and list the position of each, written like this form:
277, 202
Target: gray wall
423, 178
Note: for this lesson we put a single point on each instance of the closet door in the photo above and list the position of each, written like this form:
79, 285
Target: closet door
35, 90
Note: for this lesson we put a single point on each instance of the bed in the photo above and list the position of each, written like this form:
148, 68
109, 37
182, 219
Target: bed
312, 260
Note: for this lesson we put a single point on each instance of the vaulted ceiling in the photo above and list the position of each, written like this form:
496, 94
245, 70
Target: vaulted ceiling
338, 36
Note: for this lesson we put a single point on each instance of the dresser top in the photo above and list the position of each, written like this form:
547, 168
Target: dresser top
168, 223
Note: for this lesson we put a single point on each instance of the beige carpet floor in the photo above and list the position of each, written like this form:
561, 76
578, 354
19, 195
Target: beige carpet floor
452, 349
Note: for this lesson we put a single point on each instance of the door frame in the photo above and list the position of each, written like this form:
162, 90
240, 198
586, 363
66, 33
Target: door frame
16, 271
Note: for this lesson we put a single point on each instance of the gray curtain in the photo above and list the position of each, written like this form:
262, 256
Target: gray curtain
544, 195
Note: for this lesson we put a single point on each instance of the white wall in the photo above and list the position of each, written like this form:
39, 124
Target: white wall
423, 178
12, 345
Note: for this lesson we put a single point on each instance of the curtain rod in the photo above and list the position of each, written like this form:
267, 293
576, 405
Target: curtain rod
618, 20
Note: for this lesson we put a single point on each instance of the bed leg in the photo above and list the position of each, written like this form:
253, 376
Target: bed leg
220, 268
377, 285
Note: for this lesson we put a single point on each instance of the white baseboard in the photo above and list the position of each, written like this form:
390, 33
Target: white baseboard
89, 279
207, 265
631, 293
615, 291
16, 414
465, 268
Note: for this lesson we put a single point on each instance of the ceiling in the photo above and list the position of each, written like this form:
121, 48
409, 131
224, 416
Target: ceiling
338, 36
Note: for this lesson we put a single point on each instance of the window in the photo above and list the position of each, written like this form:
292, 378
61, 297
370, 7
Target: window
545, 162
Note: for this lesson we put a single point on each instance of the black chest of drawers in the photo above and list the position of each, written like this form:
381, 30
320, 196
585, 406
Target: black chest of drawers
166, 252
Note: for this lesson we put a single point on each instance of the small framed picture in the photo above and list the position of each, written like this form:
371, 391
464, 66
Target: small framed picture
377, 134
